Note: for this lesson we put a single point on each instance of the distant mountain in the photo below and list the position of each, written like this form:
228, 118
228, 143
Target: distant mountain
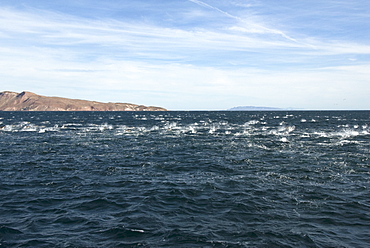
254, 108
28, 101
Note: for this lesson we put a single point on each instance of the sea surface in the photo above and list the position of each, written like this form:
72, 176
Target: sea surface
185, 179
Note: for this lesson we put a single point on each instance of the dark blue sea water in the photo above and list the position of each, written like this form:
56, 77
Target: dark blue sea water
185, 179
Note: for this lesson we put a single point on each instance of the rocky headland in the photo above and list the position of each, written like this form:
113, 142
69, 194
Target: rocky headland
28, 101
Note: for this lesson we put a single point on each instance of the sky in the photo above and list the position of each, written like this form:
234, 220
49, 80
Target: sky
190, 54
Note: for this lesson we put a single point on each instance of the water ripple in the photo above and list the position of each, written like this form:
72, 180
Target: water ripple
185, 179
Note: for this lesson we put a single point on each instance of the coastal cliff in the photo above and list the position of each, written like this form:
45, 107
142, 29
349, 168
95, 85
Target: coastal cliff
28, 101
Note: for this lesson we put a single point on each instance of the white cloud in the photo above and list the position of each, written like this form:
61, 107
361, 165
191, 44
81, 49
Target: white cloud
180, 86
49, 29
192, 68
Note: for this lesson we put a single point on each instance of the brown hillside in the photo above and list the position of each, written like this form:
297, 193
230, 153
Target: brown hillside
28, 101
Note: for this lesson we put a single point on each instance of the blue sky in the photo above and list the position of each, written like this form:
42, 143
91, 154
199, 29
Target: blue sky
190, 54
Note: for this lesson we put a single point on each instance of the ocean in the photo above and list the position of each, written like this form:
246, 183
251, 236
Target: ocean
185, 179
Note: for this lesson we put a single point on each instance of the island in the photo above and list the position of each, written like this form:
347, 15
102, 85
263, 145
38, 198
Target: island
253, 108
257, 108
28, 101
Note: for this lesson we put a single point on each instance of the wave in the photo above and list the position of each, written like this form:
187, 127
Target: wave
184, 179
252, 130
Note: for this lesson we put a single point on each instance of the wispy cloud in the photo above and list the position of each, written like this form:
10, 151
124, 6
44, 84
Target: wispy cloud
244, 59
56, 29
249, 27
70, 29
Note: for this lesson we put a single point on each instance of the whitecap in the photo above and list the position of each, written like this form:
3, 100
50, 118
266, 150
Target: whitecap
105, 126
192, 129
29, 128
154, 128
159, 118
290, 129
346, 142
213, 128
284, 139
7, 128
321, 134
252, 122
283, 130
169, 126
346, 133
305, 135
